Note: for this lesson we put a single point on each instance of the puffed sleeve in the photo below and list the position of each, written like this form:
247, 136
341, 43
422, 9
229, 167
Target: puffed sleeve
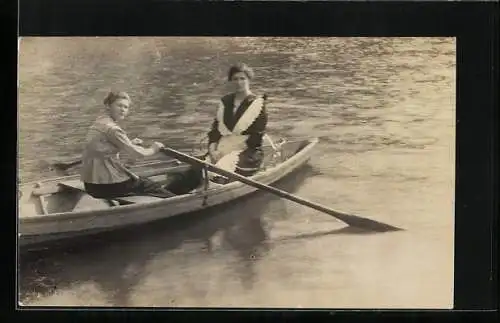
119, 138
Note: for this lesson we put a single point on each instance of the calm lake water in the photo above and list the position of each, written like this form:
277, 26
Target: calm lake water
384, 110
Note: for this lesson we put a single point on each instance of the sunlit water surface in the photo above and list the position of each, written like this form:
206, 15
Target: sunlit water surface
384, 110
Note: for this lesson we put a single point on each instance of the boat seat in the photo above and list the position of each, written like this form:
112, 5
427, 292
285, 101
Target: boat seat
87, 203
78, 185
138, 199
74, 184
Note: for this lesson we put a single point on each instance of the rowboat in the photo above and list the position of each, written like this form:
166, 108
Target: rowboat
59, 208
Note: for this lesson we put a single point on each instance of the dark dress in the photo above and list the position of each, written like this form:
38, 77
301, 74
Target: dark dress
250, 159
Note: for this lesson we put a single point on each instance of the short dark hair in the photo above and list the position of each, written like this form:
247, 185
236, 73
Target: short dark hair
239, 68
115, 95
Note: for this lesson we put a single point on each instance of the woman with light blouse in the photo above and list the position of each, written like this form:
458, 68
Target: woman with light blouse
102, 173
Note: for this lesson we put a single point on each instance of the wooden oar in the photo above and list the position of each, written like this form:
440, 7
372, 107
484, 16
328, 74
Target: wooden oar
352, 220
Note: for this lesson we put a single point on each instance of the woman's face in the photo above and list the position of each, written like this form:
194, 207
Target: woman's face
119, 109
240, 82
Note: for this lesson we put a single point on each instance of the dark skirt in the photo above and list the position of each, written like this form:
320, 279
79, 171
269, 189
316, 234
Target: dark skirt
249, 162
180, 183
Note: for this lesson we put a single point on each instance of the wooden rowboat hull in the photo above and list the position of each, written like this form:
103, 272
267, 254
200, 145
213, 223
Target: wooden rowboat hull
37, 224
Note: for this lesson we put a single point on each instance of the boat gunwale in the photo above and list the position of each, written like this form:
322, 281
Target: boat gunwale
309, 144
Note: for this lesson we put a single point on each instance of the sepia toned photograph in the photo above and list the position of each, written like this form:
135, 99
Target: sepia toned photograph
236, 172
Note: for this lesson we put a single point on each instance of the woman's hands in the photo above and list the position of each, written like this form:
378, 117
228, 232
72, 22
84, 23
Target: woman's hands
137, 141
157, 146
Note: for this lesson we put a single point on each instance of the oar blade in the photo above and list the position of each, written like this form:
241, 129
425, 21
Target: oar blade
363, 223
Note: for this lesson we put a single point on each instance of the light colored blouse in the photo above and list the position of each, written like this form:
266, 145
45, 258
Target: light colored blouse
101, 164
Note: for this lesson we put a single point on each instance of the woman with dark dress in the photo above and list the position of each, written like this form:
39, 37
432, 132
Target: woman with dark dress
237, 132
